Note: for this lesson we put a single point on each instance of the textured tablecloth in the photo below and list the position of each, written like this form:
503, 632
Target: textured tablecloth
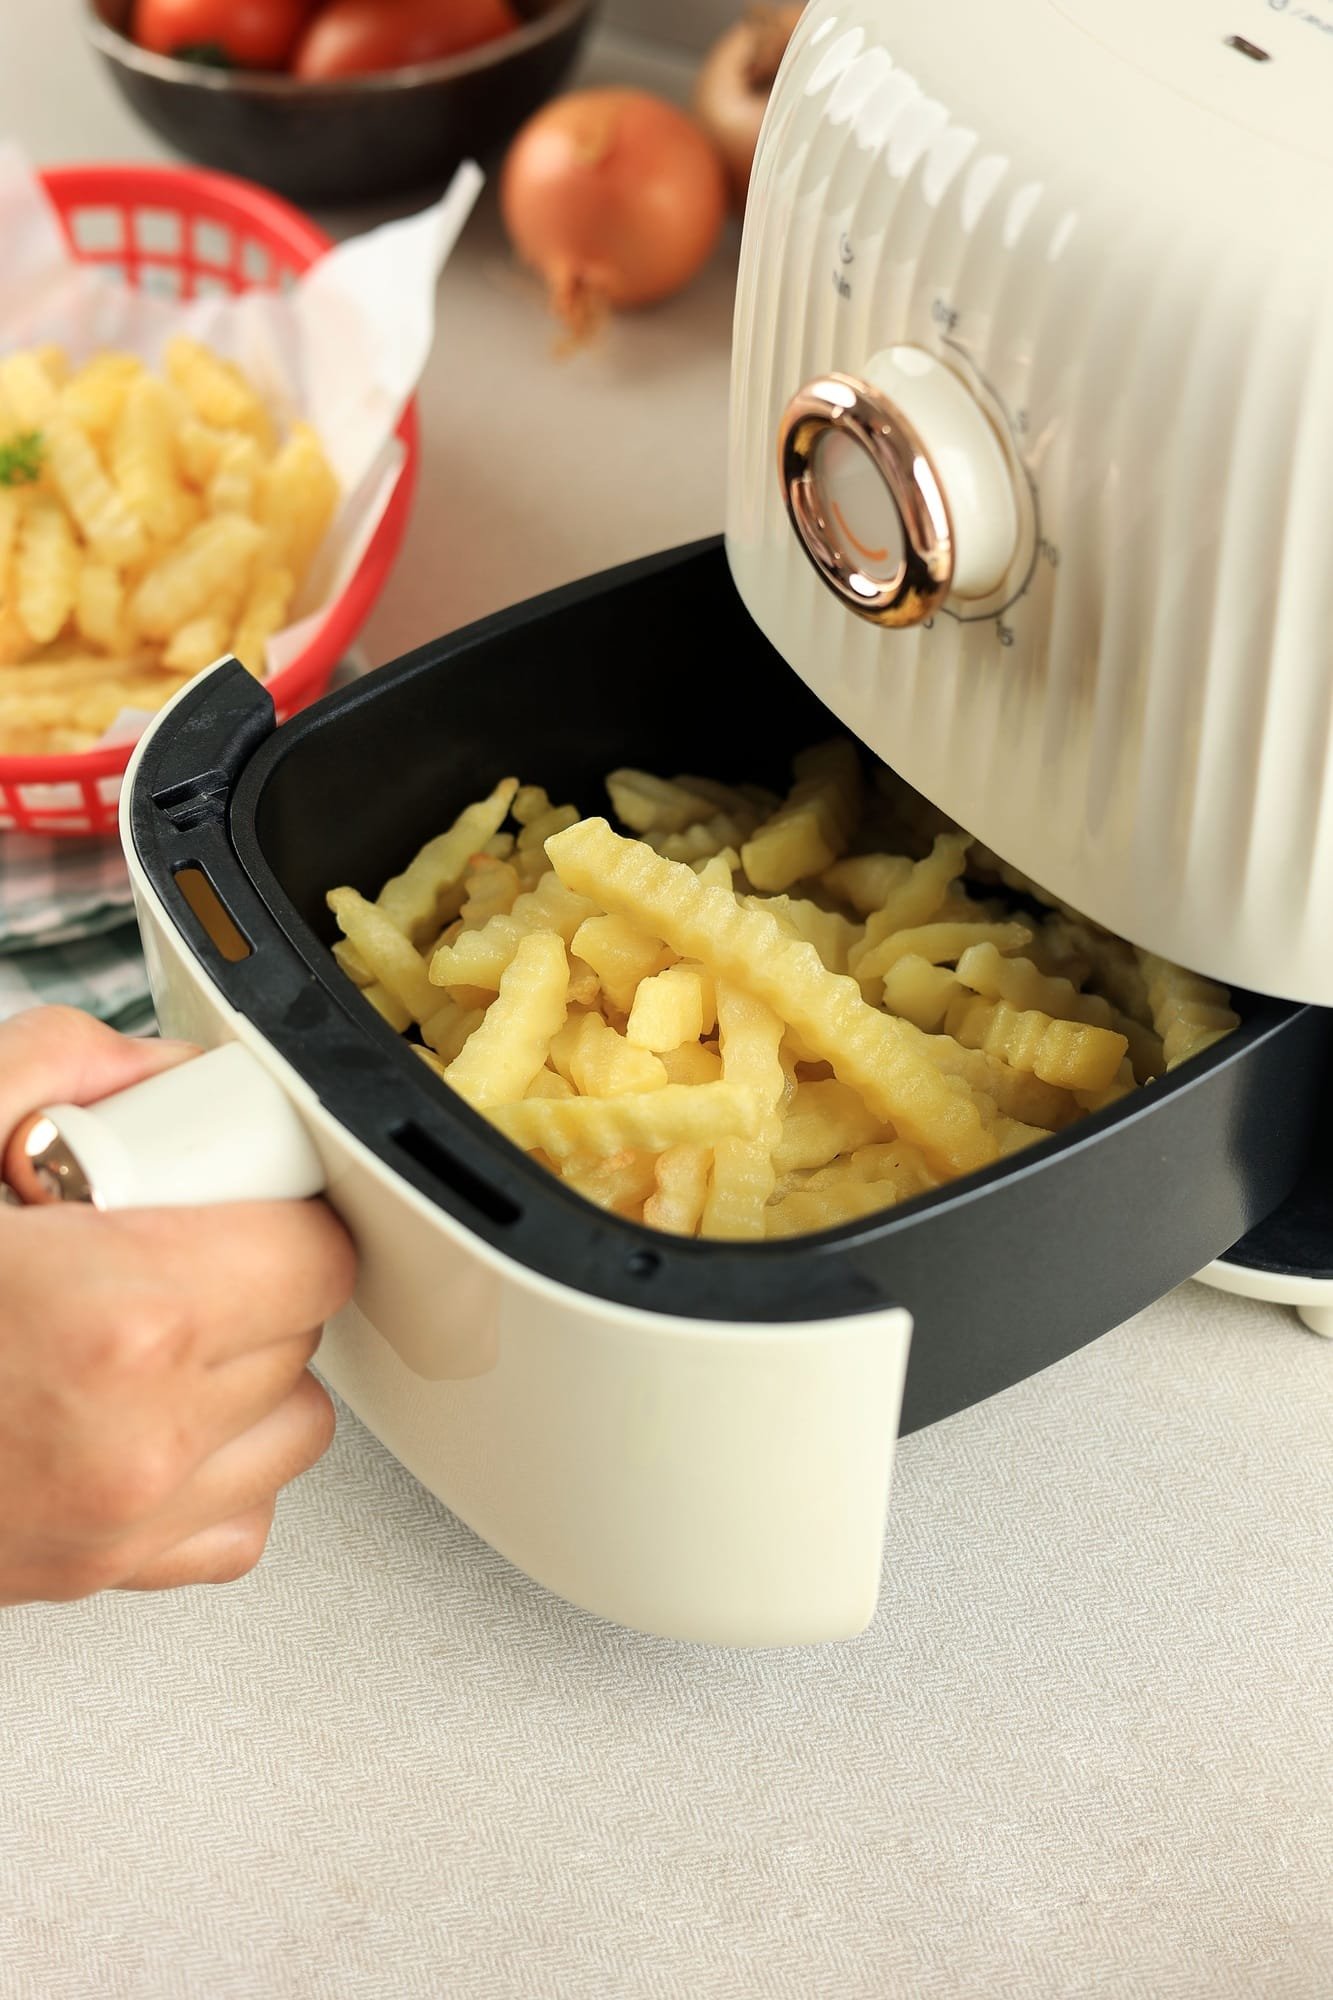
1085, 1750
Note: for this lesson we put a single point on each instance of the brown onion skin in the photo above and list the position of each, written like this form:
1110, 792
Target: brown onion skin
616, 197
732, 89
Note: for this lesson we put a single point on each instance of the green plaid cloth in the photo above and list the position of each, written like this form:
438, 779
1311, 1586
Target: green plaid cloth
67, 932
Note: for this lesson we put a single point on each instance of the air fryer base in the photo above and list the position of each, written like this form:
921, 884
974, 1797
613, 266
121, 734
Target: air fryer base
562, 1379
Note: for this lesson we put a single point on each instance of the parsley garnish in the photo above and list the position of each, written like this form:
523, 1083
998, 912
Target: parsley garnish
21, 459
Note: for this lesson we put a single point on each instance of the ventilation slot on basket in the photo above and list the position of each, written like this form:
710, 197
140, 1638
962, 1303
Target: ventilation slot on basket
217, 922
427, 1152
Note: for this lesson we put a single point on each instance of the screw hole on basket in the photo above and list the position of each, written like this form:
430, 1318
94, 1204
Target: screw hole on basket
643, 1264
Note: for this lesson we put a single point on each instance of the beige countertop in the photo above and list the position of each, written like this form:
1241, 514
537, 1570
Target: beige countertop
1083, 1751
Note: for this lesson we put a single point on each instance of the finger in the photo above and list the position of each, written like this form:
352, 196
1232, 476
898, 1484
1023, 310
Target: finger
248, 1471
221, 1554
236, 1395
56, 1055
249, 1274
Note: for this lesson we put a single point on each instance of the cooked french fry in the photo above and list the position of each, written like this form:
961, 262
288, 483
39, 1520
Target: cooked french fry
677, 1202
868, 1050
1017, 980
693, 1062
109, 528
28, 390
620, 1184
96, 394
866, 881
919, 992
668, 1008
479, 958
393, 960
46, 568
938, 944
491, 891
802, 1214
821, 1121
511, 1045
143, 458
620, 953
917, 898
217, 390
99, 609
1065, 1053
263, 613
679, 1115
411, 900
1189, 1013
743, 1178
549, 1083
390, 1006
298, 497
601, 1063
814, 825
656, 805
186, 580
832, 936
234, 486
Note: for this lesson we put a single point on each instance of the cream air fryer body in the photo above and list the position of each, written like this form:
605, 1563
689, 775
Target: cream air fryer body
1059, 271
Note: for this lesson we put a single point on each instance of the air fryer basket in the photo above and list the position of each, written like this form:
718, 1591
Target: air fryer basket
658, 664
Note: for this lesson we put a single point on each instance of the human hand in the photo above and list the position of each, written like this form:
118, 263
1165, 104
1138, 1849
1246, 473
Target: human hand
154, 1387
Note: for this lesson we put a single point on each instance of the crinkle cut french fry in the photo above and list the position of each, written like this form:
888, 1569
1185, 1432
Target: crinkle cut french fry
187, 579
601, 1063
693, 1062
263, 614
702, 840
450, 1028
919, 992
46, 569
111, 531
392, 959
679, 1115
217, 390
297, 499
620, 1184
389, 1006
99, 610
814, 825
143, 457
802, 1214
619, 952
833, 936
1015, 1093
677, 1203
647, 804
29, 391
234, 487
11, 513
410, 901
507, 1050
1065, 1053
97, 394
479, 958
916, 899
1188, 1012
823, 1120
868, 1050
668, 1009
939, 944
549, 1083
1018, 981
866, 881
750, 1034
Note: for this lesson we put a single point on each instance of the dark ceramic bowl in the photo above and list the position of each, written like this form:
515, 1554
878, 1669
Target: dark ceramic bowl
357, 139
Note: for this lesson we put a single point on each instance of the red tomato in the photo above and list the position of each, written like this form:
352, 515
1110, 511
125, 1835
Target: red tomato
248, 34
350, 37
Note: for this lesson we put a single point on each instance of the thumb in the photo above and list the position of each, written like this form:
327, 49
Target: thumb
55, 1055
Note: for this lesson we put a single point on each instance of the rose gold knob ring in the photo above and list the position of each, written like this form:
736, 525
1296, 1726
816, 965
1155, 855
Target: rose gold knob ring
837, 404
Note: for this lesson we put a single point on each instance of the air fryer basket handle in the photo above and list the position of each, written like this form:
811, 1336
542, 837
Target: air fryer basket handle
216, 1129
